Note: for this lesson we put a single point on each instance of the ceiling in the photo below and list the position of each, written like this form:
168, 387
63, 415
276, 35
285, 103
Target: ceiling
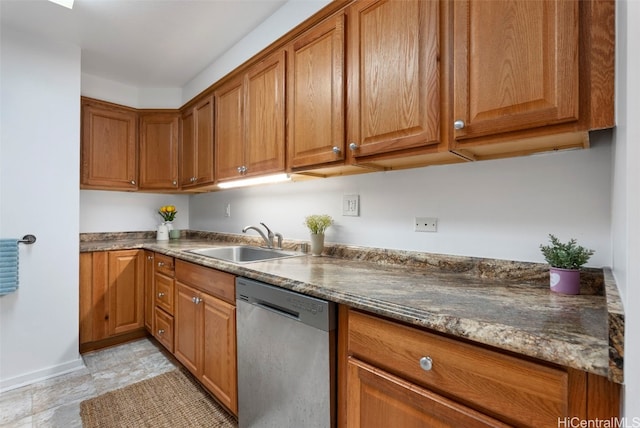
143, 43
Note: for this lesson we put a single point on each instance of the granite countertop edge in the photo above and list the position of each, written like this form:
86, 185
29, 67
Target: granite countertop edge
594, 354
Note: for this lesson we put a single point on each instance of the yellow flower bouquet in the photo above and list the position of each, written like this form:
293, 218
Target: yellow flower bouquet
168, 212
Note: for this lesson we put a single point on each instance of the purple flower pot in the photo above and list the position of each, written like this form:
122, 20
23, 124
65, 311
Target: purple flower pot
565, 281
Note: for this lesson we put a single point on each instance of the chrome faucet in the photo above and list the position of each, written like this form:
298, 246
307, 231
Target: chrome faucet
268, 238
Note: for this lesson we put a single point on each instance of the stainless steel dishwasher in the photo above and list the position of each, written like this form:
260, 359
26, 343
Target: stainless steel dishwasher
286, 358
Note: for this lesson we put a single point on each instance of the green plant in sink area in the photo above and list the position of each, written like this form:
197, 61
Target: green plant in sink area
318, 223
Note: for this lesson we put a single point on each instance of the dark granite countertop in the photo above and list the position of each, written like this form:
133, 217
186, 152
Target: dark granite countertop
507, 305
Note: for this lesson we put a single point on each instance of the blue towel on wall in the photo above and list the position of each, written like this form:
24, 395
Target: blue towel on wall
8, 266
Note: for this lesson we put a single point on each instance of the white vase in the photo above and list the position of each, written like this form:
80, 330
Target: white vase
169, 225
163, 232
317, 244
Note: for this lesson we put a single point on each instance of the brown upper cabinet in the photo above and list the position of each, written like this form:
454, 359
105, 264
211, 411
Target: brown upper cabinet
250, 121
315, 95
524, 70
196, 144
108, 146
376, 85
393, 87
159, 151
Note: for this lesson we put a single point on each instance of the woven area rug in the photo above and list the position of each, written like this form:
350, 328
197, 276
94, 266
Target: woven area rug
170, 400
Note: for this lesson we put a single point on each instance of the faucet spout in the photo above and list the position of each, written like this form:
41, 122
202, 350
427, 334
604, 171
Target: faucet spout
270, 234
268, 242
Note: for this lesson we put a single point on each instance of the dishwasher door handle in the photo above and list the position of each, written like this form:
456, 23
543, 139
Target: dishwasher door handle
277, 309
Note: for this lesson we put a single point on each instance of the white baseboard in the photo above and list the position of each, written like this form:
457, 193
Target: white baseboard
40, 375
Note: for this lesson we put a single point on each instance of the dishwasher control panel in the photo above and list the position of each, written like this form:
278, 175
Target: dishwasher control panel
316, 312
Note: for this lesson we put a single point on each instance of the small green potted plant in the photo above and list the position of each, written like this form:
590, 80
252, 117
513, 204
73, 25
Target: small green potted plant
565, 259
317, 224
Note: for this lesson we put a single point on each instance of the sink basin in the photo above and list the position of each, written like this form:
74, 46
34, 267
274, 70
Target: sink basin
243, 253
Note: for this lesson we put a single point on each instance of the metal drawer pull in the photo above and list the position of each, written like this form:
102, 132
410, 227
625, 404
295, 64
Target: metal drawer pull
161, 331
161, 294
160, 264
458, 124
426, 363
196, 300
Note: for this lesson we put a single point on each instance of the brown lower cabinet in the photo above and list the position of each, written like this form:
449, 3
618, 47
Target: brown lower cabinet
111, 297
205, 329
397, 375
162, 298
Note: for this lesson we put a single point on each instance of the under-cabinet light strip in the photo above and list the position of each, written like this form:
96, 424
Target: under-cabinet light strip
277, 178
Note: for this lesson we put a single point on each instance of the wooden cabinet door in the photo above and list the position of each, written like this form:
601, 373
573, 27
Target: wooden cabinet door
108, 146
126, 291
187, 328
94, 296
187, 149
196, 144
393, 78
315, 95
219, 371
378, 399
159, 151
264, 116
229, 131
204, 140
515, 65
149, 299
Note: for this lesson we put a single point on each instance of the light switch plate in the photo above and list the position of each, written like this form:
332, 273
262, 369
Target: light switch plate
351, 205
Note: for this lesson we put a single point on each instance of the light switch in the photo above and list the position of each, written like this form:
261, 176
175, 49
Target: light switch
351, 205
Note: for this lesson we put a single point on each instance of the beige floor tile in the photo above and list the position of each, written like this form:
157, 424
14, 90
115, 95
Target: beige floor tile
15, 405
55, 402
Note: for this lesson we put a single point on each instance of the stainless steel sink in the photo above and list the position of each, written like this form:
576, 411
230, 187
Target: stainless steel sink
243, 253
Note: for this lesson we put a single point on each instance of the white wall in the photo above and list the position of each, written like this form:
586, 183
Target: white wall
498, 209
39, 176
284, 19
105, 211
131, 96
626, 194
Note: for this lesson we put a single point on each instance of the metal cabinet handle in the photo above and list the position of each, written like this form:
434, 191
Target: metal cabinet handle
160, 264
133, 182
426, 363
193, 179
161, 331
336, 149
149, 257
196, 300
174, 182
353, 146
161, 294
458, 124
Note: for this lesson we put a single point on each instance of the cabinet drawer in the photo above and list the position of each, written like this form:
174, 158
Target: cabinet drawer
165, 265
211, 281
164, 292
164, 329
517, 391
379, 399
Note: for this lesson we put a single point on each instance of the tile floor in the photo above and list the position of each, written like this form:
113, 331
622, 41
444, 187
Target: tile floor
55, 402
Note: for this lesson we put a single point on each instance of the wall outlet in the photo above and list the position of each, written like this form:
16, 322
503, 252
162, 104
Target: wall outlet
351, 205
426, 224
